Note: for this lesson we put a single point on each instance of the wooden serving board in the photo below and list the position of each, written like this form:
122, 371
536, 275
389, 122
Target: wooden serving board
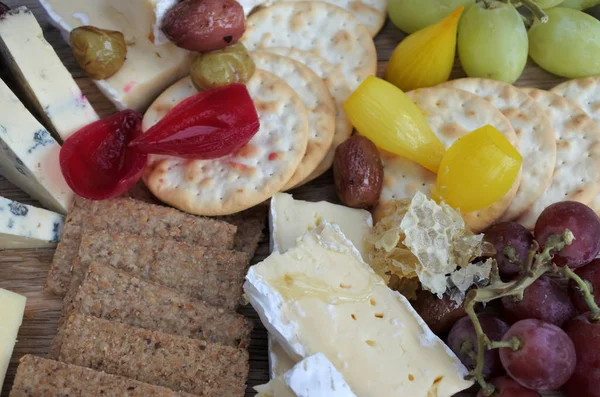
24, 271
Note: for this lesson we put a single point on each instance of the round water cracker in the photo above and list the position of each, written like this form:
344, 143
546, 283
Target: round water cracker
339, 90
238, 181
537, 142
321, 28
577, 169
316, 99
585, 92
371, 13
451, 113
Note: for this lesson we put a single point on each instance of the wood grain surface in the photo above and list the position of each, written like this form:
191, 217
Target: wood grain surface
24, 271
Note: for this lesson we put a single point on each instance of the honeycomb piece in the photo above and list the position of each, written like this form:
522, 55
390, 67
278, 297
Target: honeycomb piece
438, 237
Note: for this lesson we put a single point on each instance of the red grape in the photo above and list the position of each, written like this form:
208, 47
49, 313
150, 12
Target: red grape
591, 273
585, 335
581, 220
464, 332
509, 234
506, 387
546, 358
543, 300
3, 9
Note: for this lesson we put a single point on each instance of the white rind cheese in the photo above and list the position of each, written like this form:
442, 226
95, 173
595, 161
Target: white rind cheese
25, 226
29, 155
315, 376
148, 70
47, 83
290, 219
12, 309
320, 296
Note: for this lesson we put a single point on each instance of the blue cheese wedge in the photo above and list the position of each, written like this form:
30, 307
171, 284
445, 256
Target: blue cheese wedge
12, 309
47, 83
290, 219
321, 297
25, 226
29, 155
149, 68
315, 376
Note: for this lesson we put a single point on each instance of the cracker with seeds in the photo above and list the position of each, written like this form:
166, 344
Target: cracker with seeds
577, 169
240, 180
537, 143
451, 113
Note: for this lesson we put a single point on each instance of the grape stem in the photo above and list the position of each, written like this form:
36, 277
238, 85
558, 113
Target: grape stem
514, 344
535, 9
585, 290
536, 266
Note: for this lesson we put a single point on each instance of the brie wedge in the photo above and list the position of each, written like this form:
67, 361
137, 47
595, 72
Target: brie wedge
49, 87
29, 156
315, 376
320, 296
25, 226
148, 70
147, 15
12, 309
290, 219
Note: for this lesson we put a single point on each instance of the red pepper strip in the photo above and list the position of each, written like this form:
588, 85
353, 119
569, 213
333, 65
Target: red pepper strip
97, 161
208, 125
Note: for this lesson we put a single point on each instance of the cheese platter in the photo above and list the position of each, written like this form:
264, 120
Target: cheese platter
298, 198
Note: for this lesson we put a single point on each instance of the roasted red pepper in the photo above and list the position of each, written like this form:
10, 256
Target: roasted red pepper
97, 161
208, 125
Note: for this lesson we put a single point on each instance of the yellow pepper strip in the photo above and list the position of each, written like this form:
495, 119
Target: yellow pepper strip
389, 118
477, 170
425, 58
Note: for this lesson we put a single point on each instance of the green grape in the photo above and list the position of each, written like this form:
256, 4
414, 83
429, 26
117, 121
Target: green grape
579, 4
492, 42
548, 3
412, 15
568, 45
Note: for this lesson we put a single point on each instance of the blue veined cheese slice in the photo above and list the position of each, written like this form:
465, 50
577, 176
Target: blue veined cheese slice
315, 376
148, 70
49, 86
29, 155
12, 309
321, 297
25, 226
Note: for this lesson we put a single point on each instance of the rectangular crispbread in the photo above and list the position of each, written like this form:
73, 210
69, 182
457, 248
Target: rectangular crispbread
131, 216
39, 377
193, 366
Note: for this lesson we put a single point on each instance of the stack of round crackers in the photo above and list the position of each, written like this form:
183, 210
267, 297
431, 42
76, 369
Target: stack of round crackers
557, 132
309, 58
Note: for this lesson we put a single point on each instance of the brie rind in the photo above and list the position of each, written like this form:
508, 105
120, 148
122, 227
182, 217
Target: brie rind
320, 296
315, 376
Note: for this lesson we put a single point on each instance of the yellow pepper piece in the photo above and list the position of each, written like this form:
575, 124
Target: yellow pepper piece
425, 58
389, 118
477, 170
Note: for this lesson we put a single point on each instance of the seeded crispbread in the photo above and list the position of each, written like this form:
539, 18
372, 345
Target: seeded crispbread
577, 171
585, 92
317, 101
323, 29
238, 181
451, 113
339, 90
537, 142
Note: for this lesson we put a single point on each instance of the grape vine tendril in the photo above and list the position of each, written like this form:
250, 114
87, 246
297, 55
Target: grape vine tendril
536, 266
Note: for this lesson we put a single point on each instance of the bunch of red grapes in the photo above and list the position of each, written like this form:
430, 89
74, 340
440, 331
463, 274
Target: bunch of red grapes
558, 337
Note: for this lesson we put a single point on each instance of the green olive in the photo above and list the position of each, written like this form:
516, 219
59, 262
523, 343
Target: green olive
100, 53
222, 67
